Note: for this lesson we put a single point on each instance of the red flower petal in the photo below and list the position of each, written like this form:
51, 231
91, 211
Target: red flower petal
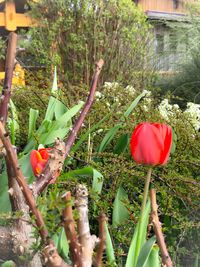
150, 143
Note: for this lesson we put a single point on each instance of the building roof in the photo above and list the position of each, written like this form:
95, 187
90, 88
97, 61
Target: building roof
172, 16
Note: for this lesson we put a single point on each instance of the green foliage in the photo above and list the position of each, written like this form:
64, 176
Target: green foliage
8, 264
2, 48
75, 34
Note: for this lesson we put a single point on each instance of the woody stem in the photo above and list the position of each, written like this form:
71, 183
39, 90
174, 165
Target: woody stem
144, 201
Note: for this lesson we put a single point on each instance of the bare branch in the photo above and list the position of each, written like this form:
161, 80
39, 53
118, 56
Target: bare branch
158, 231
102, 235
86, 240
10, 58
69, 225
47, 175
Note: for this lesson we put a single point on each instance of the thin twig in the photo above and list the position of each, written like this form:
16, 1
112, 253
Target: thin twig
47, 175
69, 225
102, 235
158, 231
10, 60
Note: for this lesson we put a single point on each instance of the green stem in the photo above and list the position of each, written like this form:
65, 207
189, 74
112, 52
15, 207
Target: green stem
144, 201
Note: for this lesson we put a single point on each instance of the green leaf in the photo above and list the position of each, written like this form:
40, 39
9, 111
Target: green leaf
50, 108
25, 165
122, 144
174, 141
50, 137
109, 247
33, 115
131, 259
196, 263
97, 181
60, 109
13, 122
4, 197
55, 239
54, 89
50, 130
134, 104
120, 212
8, 264
153, 259
86, 171
63, 246
108, 137
145, 252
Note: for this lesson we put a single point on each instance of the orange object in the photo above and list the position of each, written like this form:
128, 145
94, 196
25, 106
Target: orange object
38, 159
11, 20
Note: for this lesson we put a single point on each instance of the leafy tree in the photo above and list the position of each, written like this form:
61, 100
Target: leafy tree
74, 34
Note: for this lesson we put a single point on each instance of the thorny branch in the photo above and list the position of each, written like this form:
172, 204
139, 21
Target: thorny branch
69, 225
47, 175
12, 157
9, 67
158, 231
102, 235
86, 240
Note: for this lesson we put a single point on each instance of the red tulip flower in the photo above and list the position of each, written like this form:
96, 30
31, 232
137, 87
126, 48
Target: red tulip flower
38, 159
151, 143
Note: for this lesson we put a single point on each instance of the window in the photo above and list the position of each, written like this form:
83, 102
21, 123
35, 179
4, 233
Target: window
159, 43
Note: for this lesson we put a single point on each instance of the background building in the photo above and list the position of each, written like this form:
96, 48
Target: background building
169, 44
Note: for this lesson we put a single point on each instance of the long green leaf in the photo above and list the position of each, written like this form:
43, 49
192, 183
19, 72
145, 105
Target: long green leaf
112, 132
109, 248
54, 88
145, 252
108, 137
13, 122
134, 104
122, 144
50, 108
63, 245
196, 263
97, 177
60, 109
154, 259
120, 212
4, 197
33, 115
131, 259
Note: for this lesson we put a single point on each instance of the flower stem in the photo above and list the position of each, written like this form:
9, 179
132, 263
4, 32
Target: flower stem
144, 201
